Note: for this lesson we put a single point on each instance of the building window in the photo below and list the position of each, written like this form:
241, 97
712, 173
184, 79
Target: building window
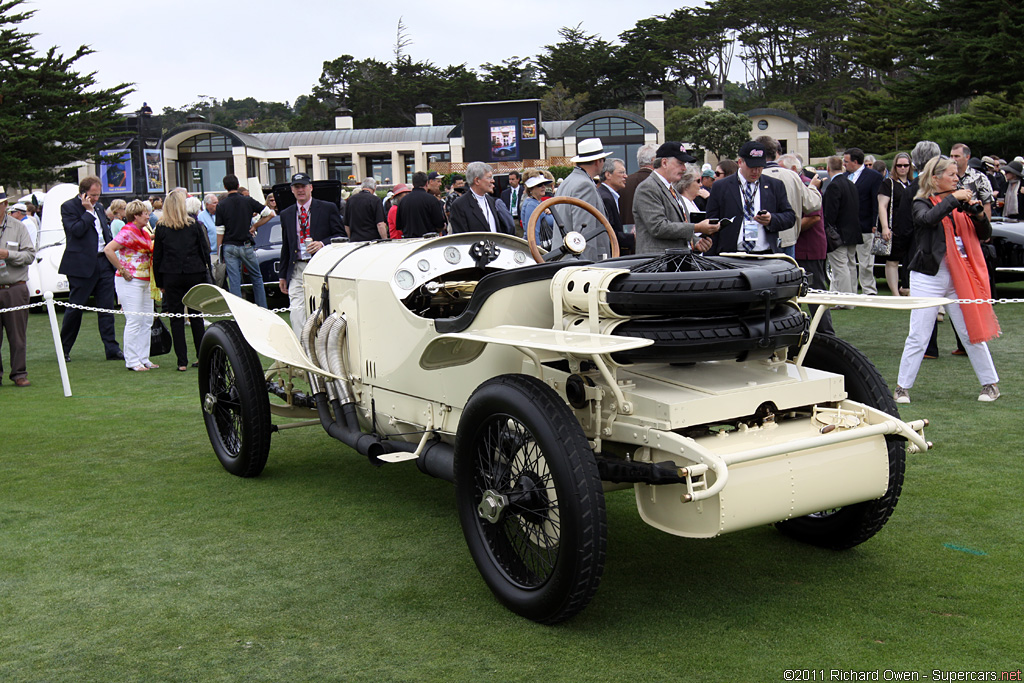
762, 124
410, 166
380, 168
609, 126
279, 171
205, 142
252, 168
340, 168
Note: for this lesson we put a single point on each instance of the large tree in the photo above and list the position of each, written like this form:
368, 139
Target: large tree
50, 114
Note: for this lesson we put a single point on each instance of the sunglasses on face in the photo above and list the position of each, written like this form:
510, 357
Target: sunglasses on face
902, 165
719, 174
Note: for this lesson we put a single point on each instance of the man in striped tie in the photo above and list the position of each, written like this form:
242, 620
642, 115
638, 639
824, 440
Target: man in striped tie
306, 227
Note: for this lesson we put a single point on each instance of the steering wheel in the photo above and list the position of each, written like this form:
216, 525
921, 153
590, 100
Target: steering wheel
573, 242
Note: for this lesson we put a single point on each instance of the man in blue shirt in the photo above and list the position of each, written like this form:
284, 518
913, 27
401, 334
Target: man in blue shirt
206, 217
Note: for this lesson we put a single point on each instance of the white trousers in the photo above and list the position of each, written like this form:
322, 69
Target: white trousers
297, 298
922, 320
134, 296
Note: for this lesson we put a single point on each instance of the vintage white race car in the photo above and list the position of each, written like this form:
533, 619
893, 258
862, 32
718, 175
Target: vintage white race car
538, 387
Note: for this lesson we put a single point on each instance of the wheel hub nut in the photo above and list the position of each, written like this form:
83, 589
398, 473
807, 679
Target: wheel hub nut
209, 403
491, 506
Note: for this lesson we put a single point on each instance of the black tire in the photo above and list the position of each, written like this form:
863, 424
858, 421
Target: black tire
689, 340
663, 286
233, 393
544, 555
851, 525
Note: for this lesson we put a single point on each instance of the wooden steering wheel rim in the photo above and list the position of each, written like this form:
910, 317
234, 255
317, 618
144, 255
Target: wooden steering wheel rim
531, 228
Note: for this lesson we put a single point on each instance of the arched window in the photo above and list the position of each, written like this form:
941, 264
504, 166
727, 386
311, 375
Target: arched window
205, 142
609, 127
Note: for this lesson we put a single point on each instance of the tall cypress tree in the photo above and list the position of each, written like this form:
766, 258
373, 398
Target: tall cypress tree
50, 114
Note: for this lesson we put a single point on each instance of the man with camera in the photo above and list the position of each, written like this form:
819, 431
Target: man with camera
970, 178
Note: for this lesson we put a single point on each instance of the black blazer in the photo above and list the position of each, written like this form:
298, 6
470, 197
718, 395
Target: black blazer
725, 202
324, 223
80, 250
185, 250
867, 196
930, 236
506, 196
627, 243
467, 217
839, 209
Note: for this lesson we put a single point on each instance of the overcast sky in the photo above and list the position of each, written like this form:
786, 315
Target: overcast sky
274, 51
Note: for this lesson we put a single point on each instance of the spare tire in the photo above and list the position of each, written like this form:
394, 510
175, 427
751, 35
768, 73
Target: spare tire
687, 284
688, 340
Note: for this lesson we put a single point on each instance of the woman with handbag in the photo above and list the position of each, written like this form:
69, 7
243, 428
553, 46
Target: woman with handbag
131, 254
890, 196
181, 260
949, 263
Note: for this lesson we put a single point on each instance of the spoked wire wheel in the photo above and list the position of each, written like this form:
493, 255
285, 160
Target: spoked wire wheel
530, 498
236, 407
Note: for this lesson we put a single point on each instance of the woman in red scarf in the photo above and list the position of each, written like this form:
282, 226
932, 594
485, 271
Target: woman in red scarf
131, 253
949, 263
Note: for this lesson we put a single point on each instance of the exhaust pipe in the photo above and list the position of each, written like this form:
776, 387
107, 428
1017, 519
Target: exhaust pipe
437, 458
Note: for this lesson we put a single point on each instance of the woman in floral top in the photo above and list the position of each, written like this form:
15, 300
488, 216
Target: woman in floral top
131, 253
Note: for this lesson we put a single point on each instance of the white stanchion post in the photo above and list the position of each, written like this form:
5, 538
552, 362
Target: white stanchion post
57, 344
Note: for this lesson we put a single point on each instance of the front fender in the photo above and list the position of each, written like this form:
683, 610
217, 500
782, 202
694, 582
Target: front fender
265, 331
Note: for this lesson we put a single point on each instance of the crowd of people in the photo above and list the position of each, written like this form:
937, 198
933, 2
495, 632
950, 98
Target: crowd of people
928, 216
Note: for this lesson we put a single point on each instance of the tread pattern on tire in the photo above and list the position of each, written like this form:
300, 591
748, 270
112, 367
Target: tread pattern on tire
679, 340
255, 404
585, 485
734, 290
853, 524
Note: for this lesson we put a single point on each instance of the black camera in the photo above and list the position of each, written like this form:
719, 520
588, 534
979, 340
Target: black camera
972, 209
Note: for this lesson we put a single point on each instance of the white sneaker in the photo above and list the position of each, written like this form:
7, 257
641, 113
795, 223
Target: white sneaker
901, 395
989, 393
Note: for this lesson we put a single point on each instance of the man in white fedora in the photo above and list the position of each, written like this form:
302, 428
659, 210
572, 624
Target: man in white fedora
580, 184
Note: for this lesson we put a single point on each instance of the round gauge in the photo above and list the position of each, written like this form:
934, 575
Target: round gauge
405, 279
423, 265
452, 255
520, 257
575, 242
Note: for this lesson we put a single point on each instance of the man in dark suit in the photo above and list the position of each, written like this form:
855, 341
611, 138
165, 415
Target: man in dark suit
645, 160
306, 227
513, 196
840, 209
613, 182
89, 272
756, 205
867, 181
420, 212
477, 210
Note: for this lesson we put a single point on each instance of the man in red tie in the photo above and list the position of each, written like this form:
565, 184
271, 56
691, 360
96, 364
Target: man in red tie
306, 227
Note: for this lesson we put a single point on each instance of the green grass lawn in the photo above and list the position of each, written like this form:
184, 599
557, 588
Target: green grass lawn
128, 554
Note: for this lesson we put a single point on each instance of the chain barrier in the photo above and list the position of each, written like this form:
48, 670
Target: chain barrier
68, 304
955, 301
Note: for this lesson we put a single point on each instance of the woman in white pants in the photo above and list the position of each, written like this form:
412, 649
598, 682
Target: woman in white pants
131, 253
949, 263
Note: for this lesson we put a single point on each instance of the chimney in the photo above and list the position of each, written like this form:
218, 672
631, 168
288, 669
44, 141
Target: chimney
423, 115
714, 100
343, 118
654, 111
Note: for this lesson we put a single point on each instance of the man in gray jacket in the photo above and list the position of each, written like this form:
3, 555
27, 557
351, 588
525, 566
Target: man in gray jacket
580, 184
16, 253
662, 221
